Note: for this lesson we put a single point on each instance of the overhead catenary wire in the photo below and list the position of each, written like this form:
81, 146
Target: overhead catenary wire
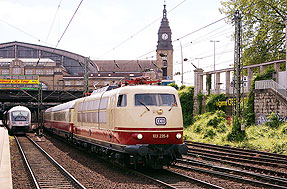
68, 24
64, 31
195, 31
201, 28
211, 55
30, 35
51, 26
139, 31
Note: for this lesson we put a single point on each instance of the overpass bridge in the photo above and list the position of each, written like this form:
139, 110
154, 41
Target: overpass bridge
35, 100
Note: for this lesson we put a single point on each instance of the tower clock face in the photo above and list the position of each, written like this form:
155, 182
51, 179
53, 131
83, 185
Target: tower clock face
164, 36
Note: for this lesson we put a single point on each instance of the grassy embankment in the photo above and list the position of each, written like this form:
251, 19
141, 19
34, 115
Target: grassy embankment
213, 128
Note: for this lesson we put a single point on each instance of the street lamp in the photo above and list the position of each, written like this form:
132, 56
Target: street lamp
181, 62
214, 41
190, 63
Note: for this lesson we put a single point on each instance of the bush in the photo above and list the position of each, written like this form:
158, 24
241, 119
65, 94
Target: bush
211, 102
284, 129
209, 133
182, 87
256, 137
273, 121
208, 126
221, 128
174, 86
279, 147
197, 128
187, 103
215, 121
236, 134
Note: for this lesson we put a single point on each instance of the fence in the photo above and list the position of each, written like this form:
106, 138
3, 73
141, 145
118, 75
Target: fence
267, 84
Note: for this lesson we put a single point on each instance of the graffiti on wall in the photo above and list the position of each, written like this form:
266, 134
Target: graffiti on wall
261, 119
229, 102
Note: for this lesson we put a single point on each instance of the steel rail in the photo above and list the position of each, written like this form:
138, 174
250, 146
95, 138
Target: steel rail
153, 179
267, 178
126, 169
230, 177
237, 159
254, 157
65, 173
201, 182
163, 183
248, 167
269, 154
34, 180
60, 168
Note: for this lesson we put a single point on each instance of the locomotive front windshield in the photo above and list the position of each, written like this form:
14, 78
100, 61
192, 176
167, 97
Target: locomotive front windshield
155, 100
19, 116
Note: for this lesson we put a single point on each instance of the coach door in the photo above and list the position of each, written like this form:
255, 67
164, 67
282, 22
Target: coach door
111, 112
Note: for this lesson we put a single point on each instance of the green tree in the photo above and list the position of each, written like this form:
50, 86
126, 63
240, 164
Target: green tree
174, 86
263, 24
187, 103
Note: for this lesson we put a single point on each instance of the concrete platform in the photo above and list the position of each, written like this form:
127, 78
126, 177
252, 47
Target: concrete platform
5, 163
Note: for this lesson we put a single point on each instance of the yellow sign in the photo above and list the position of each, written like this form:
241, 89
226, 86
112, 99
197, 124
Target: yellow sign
229, 102
19, 81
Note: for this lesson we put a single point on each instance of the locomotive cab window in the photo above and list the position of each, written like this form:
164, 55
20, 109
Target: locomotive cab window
155, 100
167, 100
122, 100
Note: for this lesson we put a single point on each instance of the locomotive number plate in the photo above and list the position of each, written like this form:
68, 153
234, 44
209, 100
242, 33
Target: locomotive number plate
160, 121
160, 136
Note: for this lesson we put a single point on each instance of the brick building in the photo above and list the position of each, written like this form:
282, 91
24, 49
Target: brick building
62, 70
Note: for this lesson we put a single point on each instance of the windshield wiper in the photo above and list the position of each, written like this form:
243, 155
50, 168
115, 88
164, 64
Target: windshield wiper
172, 105
143, 105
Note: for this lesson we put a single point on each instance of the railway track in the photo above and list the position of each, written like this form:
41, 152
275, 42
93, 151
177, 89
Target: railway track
44, 171
243, 166
164, 177
237, 155
238, 150
171, 179
255, 179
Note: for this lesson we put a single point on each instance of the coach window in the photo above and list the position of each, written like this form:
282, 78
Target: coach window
122, 100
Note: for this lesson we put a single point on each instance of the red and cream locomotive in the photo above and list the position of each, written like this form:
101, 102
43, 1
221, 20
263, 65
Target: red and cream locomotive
140, 125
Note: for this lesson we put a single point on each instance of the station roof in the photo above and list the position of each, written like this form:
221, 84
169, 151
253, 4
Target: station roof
125, 65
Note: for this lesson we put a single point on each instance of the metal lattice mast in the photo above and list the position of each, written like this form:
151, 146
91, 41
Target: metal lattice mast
86, 77
238, 70
40, 112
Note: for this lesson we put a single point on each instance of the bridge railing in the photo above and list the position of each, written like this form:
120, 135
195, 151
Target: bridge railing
267, 84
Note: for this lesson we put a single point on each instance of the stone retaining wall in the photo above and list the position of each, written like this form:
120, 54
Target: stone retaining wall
267, 101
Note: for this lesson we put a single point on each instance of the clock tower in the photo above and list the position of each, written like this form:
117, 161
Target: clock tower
164, 50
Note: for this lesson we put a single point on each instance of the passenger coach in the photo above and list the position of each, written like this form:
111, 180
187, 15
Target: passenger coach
139, 125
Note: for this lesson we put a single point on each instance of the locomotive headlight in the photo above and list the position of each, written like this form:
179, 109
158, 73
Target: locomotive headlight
139, 136
178, 136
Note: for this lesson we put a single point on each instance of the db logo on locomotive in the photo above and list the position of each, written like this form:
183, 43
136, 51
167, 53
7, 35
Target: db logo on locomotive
160, 121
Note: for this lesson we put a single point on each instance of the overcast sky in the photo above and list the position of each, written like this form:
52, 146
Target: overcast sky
121, 29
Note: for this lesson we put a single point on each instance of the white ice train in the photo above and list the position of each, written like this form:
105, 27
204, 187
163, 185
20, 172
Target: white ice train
17, 120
